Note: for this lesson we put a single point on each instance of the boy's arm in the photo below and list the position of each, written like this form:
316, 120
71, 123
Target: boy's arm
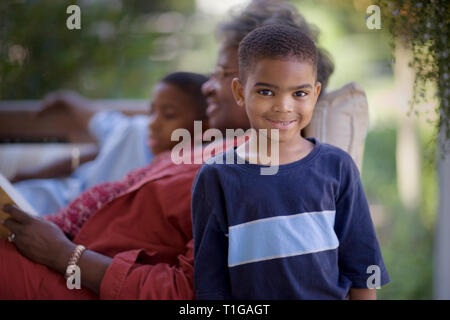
78, 107
211, 277
60, 168
362, 294
360, 260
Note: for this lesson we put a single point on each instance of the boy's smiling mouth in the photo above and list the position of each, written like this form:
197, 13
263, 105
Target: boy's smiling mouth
278, 124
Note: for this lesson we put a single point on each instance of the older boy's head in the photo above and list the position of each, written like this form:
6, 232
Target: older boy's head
177, 102
277, 42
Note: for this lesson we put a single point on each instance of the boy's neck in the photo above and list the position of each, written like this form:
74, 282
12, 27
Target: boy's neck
276, 153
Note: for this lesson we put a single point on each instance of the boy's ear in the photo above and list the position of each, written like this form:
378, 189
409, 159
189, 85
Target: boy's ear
238, 92
317, 89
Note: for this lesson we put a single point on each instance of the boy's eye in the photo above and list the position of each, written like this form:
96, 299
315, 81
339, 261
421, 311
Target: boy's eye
265, 92
300, 93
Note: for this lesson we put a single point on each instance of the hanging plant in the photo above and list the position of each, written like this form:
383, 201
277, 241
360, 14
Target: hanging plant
423, 27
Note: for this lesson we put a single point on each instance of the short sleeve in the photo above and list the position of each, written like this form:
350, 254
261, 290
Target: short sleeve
104, 122
359, 254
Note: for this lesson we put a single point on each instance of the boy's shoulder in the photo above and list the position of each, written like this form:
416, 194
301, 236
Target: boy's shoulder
334, 152
334, 157
218, 162
223, 158
214, 169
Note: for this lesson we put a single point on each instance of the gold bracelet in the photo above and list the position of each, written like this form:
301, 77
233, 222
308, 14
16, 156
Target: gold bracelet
73, 260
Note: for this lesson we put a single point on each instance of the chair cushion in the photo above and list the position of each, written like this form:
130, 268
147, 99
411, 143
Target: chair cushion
341, 118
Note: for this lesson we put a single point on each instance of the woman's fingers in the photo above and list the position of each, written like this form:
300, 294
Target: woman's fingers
12, 225
17, 214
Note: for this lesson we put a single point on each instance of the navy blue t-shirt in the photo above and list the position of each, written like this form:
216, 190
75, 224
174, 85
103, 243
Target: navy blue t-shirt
303, 233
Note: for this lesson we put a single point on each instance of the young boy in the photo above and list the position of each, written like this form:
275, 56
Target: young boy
177, 102
302, 233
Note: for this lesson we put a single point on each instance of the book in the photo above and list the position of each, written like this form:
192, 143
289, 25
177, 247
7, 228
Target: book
10, 195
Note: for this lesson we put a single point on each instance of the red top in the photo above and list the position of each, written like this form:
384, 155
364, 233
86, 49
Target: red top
143, 222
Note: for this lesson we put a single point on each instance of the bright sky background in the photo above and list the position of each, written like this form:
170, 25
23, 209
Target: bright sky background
219, 7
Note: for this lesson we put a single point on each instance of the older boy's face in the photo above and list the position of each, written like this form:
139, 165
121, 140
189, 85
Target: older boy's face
279, 94
170, 109
223, 112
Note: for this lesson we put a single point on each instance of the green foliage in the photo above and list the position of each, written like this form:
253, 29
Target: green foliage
108, 57
423, 25
406, 237
360, 54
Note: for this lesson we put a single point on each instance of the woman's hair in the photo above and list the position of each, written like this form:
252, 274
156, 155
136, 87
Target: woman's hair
191, 84
266, 12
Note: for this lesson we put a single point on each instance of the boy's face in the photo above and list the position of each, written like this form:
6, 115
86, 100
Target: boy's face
170, 109
279, 94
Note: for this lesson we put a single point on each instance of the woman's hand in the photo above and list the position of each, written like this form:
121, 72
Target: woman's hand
43, 242
39, 240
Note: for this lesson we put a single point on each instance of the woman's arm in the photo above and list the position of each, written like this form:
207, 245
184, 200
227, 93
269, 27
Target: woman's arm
92, 265
43, 242
124, 277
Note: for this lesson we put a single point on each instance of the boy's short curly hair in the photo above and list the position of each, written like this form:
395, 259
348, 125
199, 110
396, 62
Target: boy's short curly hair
277, 42
266, 12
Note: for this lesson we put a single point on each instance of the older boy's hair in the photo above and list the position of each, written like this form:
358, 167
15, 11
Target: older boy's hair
191, 84
275, 42
266, 12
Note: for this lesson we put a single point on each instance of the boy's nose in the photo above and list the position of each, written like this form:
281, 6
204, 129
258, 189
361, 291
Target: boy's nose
208, 87
153, 123
283, 104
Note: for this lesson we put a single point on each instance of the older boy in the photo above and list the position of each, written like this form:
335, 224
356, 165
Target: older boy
304, 233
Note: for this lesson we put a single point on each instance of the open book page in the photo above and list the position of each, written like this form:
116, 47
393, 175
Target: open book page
9, 195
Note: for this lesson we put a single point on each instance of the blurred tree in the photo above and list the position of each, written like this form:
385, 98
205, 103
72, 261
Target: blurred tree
423, 26
108, 57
